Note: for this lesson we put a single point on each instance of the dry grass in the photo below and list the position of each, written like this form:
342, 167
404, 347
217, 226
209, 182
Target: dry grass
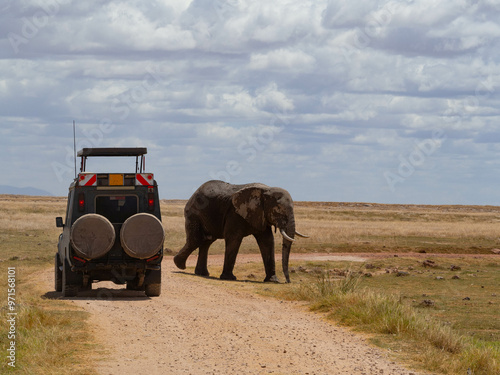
377, 228
30, 213
51, 336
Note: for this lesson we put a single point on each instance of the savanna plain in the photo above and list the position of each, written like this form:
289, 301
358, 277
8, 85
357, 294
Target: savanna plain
420, 282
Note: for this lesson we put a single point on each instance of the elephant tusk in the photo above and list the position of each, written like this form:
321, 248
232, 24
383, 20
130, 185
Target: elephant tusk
301, 235
285, 236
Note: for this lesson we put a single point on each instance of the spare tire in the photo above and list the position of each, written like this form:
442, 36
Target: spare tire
142, 235
92, 236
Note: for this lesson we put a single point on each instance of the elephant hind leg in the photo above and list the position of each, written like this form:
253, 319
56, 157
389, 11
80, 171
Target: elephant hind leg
201, 266
194, 239
181, 257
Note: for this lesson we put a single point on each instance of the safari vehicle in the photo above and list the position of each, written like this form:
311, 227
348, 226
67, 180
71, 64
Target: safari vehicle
112, 230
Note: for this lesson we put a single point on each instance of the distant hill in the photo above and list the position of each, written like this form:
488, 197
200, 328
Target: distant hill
5, 189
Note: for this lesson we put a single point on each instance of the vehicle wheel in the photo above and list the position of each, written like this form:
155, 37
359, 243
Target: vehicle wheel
142, 235
57, 274
153, 290
92, 236
69, 288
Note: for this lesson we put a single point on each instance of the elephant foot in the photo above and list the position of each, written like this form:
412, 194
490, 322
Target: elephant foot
272, 279
227, 277
180, 262
201, 272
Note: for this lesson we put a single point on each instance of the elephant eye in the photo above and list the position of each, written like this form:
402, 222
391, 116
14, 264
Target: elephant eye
278, 209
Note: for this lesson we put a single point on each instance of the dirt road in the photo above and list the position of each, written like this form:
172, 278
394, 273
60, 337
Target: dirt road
202, 326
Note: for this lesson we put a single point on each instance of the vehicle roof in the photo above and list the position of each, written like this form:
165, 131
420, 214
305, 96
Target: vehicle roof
113, 151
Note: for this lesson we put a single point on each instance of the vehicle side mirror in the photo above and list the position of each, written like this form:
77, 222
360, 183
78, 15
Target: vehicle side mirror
59, 222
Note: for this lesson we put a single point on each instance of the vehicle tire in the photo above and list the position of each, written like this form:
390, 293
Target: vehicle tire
142, 235
92, 236
57, 274
153, 290
69, 287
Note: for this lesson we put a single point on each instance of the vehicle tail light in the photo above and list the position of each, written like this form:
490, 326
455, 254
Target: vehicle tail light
151, 201
81, 202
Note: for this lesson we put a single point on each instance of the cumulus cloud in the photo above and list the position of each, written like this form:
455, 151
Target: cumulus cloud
283, 59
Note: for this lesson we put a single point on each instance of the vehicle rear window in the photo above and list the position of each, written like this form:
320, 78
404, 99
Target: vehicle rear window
116, 209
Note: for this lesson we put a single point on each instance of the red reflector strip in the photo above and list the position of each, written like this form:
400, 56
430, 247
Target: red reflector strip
92, 181
153, 258
144, 179
80, 259
88, 179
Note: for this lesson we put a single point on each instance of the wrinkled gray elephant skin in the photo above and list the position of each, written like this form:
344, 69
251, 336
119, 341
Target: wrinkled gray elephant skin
218, 210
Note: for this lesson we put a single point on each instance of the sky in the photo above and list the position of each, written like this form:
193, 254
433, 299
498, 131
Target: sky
358, 101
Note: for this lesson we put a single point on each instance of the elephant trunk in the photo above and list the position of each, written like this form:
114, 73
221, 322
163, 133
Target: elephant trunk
289, 231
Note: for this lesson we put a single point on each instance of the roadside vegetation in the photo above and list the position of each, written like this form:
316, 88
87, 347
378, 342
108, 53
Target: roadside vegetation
438, 317
52, 336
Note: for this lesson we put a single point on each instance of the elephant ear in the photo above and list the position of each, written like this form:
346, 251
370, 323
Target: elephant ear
247, 203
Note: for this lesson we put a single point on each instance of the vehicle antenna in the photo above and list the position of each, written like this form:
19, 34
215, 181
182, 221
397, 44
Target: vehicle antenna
74, 144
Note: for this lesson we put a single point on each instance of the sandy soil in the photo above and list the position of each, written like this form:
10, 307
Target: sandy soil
202, 326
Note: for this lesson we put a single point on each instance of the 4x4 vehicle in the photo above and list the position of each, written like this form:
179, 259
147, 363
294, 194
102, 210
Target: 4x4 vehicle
113, 228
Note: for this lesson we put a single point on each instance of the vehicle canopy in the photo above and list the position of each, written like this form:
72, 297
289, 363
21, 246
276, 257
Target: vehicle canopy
84, 153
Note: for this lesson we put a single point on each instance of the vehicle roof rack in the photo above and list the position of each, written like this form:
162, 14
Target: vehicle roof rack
84, 153
113, 151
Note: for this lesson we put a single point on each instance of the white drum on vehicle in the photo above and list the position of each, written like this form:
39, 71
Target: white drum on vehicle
142, 235
92, 236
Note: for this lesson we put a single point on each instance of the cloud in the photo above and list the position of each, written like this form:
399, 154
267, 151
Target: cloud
291, 93
282, 59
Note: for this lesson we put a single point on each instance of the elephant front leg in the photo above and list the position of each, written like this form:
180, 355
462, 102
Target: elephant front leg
265, 240
232, 248
201, 265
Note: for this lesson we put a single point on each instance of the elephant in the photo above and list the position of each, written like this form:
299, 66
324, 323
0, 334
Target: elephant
219, 210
